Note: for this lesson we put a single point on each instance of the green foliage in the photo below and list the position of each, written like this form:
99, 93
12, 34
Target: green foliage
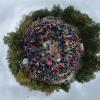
87, 30
65, 87
56, 11
39, 14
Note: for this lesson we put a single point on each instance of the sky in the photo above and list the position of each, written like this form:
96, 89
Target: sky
11, 12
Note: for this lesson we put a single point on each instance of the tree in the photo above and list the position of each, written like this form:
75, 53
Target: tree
40, 14
56, 11
65, 87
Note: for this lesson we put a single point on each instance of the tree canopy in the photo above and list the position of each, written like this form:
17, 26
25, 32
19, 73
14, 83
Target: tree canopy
87, 29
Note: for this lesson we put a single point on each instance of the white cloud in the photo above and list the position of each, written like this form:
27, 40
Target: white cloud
11, 12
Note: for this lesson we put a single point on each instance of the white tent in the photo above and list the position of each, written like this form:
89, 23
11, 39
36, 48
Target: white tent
82, 47
25, 61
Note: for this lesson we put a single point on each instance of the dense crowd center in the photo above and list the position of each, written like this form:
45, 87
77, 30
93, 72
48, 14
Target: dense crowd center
52, 50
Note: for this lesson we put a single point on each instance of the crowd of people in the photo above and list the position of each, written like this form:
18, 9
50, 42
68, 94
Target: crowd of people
52, 49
